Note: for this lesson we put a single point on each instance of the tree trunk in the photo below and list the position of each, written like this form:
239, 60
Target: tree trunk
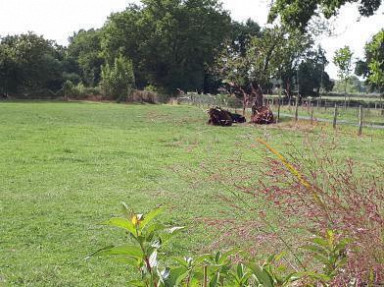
257, 92
288, 92
245, 102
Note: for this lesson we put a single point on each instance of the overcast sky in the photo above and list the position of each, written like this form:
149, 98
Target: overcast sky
58, 19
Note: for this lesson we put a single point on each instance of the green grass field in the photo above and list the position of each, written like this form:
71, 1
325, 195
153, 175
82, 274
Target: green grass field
65, 167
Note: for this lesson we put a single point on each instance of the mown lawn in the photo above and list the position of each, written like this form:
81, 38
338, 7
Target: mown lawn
65, 167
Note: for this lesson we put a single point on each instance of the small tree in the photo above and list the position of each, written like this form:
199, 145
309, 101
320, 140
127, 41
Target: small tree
343, 61
312, 77
375, 60
117, 81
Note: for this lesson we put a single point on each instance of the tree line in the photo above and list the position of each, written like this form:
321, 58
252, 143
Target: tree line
190, 45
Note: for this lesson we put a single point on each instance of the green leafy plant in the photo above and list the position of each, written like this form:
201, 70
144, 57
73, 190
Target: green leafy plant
330, 252
273, 272
147, 237
218, 269
118, 80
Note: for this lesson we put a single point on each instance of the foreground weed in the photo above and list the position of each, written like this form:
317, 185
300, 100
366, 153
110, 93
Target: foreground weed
218, 269
148, 237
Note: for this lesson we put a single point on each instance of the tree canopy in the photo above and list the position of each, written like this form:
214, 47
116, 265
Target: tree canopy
28, 63
343, 61
85, 55
312, 77
191, 45
374, 52
297, 13
171, 43
275, 54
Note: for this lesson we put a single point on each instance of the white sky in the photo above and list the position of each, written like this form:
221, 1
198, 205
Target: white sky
58, 19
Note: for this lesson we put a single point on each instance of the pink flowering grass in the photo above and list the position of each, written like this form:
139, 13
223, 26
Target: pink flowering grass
282, 202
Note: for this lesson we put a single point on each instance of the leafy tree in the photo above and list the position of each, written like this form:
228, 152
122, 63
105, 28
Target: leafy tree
297, 13
372, 68
84, 56
234, 49
8, 69
343, 61
242, 33
274, 54
118, 80
312, 76
361, 68
291, 47
375, 60
29, 62
245, 66
171, 43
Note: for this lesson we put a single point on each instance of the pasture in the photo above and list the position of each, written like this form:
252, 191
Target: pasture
65, 167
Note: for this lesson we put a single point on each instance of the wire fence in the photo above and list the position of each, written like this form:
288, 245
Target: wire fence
338, 111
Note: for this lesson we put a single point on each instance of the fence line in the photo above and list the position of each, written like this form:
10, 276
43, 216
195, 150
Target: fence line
318, 110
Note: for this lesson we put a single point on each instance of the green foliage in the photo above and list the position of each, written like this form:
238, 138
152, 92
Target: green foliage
241, 35
374, 51
297, 13
343, 61
214, 269
118, 80
79, 91
28, 63
231, 63
171, 43
361, 68
312, 77
291, 47
273, 272
148, 238
84, 56
68, 88
330, 251
262, 53
274, 54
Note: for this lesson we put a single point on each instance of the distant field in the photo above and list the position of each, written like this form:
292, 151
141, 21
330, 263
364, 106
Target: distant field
65, 167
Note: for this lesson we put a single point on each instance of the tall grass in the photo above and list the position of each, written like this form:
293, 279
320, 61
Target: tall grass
288, 199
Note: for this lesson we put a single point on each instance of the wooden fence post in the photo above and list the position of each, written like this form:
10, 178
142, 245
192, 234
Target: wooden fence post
335, 117
312, 112
297, 108
278, 105
360, 120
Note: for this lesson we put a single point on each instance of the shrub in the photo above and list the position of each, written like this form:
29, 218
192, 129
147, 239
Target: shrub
68, 88
118, 80
145, 96
79, 91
